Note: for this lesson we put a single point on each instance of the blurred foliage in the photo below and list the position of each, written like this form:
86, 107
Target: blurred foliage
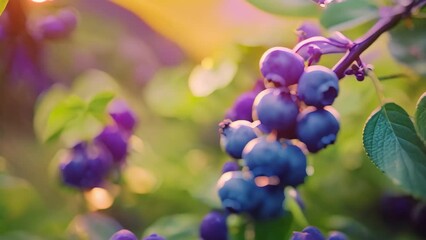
156, 62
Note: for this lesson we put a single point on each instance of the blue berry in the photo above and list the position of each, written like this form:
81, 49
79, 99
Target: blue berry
335, 235
281, 66
276, 110
235, 136
237, 193
214, 227
123, 234
266, 157
154, 236
123, 116
113, 140
230, 166
297, 166
318, 86
396, 209
271, 205
242, 108
309, 233
85, 166
317, 128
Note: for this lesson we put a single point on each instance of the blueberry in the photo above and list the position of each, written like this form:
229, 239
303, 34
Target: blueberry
113, 140
297, 166
85, 166
242, 108
154, 236
123, 234
317, 128
396, 209
265, 157
230, 166
237, 192
318, 86
68, 17
51, 27
235, 136
214, 227
281, 66
308, 233
271, 205
335, 235
123, 116
276, 110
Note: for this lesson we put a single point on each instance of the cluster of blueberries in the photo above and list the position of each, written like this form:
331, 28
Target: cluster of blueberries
125, 234
88, 164
268, 133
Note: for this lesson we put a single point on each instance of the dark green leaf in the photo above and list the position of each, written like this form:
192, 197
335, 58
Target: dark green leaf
274, 229
407, 44
393, 145
348, 14
302, 8
3, 4
420, 116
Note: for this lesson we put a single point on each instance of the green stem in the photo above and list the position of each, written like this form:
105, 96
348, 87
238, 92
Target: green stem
377, 86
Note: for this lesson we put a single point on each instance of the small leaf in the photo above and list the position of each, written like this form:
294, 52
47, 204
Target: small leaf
301, 8
61, 115
274, 229
3, 4
348, 14
393, 145
420, 116
99, 103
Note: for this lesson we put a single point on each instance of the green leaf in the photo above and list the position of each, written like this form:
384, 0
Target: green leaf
407, 44
301, 8
176, 227
98, 104
348, 14
393, 145
3, 4
420, 116
274, 229
61, 115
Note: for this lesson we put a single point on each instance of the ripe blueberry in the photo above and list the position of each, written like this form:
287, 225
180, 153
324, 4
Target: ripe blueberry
154, 236
214, 227
318, 86
123, 234
281, 66
113, 140
235, 136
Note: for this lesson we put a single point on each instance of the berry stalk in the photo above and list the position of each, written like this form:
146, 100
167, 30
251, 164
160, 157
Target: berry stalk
383, 25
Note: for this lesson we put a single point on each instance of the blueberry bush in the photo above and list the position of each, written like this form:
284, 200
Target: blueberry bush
213, 120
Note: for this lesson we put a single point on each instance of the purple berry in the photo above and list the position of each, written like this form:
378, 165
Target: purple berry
123, 116
271, 205
113, 140
154, 236
214, 227
85, 166
396, 209
297, 166
418, 219
317, 128
242, 108
123, 234
230, 166
335, 235
69, 18
281, 66
309, 233
235, 135
318, 86
51, 27
276, 110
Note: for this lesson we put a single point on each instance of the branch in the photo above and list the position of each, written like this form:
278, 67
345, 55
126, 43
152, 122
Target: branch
383, 25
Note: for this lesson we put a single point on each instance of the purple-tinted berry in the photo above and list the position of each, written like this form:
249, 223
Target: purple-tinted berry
271, 205
214, 227
335, 235
237, 193
266, 157
309, 233
418, 219
113, 140
123, 234
318, 86
85, 166
396, 209
317, 128
242, 108
154, 236
235, 135
123, 116
276, 110
51, 27
68, 17
281, 66
297, 166
230, 166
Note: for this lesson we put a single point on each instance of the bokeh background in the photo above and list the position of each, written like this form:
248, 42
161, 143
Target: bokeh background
180, 65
